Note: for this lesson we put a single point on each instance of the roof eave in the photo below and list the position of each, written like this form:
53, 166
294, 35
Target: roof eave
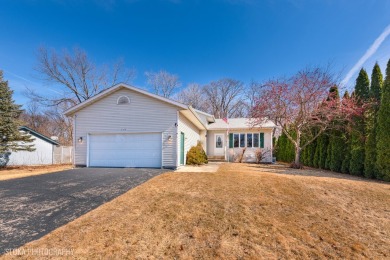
102, 94
36, 134
240, 128
199, 124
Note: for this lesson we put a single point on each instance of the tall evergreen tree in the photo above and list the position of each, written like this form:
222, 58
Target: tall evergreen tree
376, 82
347, 148
362, 87
322, 145
370, 169
336, 145
358, 133
316, 149
11, 140
328, 152
383, 136
311, 150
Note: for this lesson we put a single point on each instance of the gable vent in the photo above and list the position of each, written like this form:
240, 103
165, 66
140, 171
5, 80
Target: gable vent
123, 100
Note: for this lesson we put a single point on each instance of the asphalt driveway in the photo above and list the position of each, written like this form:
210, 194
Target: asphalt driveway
34, 206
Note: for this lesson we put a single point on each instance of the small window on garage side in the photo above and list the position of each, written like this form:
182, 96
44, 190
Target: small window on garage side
123, 100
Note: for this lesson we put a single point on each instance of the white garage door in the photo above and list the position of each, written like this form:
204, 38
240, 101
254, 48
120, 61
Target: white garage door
125, 150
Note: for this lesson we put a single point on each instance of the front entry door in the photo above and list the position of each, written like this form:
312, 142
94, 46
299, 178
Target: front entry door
219, 145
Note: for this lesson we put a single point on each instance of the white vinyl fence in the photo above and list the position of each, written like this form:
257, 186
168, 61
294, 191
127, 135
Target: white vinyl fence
62, 154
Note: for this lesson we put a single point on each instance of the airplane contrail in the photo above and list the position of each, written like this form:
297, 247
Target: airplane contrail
27, 80
373, 48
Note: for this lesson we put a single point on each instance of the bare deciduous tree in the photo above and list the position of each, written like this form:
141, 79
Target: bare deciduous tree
76, 78
300, 104
49, 122
252, 92
162, 82
225, 97
193, 95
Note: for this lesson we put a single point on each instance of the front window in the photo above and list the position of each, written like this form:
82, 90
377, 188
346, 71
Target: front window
255, 140
248, 140
236, 138
242, 140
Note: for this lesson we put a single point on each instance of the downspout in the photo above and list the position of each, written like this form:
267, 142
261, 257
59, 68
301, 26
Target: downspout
177, 140
74, 139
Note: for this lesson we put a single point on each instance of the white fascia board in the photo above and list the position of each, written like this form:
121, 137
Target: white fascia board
108, 91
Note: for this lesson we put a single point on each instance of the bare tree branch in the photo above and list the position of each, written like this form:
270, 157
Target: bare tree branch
193, 95
75, 77
162, 82
225, 97
302, 103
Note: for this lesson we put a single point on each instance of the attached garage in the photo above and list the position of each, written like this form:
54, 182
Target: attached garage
125, 126
125, 150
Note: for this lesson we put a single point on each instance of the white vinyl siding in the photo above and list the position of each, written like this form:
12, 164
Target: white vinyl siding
211, 142
249, 155
191, 135
250, 152
142, 114
43, 154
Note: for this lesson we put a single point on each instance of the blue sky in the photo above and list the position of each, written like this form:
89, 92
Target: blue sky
198, 40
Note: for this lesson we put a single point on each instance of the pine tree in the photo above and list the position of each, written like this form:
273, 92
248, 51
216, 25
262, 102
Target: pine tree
304, 157
362, 87
328, 154
347, 156
358, 132
376, 82
290, 155
370, 169
310, 152
281, 147
347, 148
336, 145
383, 136
316, 149
323, 147
11, 140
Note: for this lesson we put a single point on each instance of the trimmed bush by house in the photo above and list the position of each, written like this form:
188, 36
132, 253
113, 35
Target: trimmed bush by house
196, 155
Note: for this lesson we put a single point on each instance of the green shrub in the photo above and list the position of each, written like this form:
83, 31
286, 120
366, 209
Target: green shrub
196, 155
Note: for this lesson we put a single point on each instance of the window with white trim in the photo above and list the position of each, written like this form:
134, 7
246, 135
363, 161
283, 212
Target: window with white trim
236, 140
241, 140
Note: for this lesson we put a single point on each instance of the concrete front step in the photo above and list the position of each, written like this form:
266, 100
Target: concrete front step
217, 160
216, 157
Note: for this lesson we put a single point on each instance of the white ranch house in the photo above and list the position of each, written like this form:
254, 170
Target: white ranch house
125, 126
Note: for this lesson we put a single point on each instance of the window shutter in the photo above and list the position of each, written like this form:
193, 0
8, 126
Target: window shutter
261, 140
230, 140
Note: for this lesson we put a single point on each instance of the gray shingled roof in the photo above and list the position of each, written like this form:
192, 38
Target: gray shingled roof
239, 123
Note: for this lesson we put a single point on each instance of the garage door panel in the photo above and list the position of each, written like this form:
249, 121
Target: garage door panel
125, 150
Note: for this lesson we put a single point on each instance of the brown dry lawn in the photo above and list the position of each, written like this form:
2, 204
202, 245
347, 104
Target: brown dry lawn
242, 211
14, 172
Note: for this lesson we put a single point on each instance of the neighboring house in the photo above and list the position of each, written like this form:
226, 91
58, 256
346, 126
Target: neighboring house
43, 154
125, 126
